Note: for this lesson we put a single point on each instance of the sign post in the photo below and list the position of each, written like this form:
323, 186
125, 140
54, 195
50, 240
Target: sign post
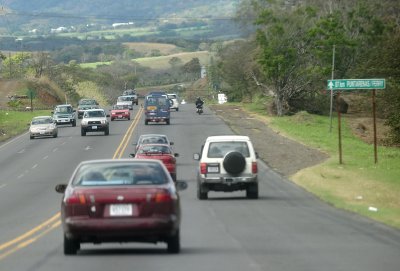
354, 84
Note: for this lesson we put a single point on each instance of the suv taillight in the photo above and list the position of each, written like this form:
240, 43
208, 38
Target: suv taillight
203, 168
254, 167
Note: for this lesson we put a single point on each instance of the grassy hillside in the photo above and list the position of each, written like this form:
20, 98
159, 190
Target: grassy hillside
147, 48
161, 62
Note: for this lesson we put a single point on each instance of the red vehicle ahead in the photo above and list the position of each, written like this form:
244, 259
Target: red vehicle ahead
120, 112
160, 152
120, 200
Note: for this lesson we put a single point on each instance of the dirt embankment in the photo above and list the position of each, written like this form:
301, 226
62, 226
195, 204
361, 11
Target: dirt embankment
280, 153
44, 94
7, 89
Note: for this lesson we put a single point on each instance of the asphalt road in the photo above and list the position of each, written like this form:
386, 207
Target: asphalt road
285, 229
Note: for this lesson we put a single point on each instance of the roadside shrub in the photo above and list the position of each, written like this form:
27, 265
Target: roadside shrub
391, 103
313, 103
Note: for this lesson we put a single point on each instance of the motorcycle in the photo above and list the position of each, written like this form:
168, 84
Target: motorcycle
199, 109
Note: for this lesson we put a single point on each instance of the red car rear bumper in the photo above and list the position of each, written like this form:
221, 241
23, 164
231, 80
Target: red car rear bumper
120, 229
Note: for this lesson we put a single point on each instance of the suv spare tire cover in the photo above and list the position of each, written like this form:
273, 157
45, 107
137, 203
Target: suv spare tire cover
234, 162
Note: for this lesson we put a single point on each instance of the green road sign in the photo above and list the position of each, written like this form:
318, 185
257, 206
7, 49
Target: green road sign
349, 84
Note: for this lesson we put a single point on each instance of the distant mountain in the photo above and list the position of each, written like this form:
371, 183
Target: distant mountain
22, 15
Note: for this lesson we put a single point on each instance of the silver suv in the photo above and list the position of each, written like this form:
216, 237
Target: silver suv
64, 114
95, 120
227, 163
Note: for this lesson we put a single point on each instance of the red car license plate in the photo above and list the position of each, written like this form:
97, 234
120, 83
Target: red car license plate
123, 210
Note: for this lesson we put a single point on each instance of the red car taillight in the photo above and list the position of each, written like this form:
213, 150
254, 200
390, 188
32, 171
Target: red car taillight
170, 160
76, 198
254, 167
163, 197
203, 168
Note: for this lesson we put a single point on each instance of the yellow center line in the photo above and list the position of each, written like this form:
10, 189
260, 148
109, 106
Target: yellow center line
122, 146
30, 241
39, 231
31, 232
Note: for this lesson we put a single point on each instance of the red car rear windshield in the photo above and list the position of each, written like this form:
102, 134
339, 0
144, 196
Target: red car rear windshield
109, 174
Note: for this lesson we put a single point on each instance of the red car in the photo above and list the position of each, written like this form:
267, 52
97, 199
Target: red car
120, 200
160, 152
120, 112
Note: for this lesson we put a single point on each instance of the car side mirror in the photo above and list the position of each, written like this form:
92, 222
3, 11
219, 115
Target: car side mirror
196, 156
132, 155
52, 112
176, 154
181, 185
108, 115
60, 188
257, 156
171, 143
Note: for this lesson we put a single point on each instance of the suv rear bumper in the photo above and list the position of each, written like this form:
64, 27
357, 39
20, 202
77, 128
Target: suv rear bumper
95, 127
227, 183
65, 121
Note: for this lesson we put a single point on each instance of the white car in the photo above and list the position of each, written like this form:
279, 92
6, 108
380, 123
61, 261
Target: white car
95, 120
175, 101
125, 100
227, 163
43, 126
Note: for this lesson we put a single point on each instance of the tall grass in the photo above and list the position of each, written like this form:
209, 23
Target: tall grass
13, 123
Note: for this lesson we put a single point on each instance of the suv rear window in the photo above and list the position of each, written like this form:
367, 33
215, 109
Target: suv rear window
219, 149
63, 109
129, 92
171, 96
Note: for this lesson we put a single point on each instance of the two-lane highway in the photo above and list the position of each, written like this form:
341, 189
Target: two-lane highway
286, 229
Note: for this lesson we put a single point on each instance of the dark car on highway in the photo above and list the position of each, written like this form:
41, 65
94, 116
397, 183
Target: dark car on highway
157, 109
120, 200
85, 104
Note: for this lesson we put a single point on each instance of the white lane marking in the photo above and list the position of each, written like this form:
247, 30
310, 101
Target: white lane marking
20, 176
21, 151
13, 140
55, 149
88, 148
3, 185
65, 142
44, 158
35, 166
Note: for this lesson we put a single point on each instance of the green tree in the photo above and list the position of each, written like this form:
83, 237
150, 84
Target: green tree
284, 53
16, 65
192, 69
237, 67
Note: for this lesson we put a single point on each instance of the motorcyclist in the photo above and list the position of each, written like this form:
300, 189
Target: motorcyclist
199, 102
